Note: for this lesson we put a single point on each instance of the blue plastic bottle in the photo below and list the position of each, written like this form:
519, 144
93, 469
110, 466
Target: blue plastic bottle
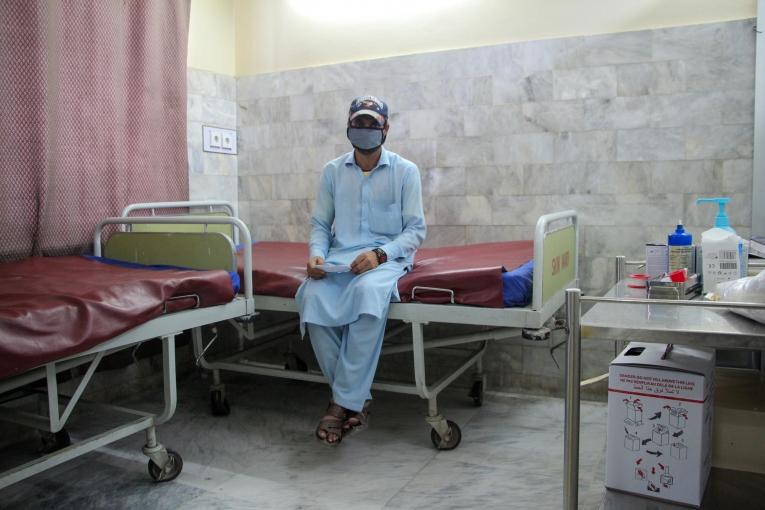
680, 245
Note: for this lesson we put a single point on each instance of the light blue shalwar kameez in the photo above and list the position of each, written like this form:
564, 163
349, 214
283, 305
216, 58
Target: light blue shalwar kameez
345, 313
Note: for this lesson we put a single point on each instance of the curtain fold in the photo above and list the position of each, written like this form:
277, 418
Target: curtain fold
92, 116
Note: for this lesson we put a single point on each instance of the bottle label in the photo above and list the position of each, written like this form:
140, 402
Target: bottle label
681, 257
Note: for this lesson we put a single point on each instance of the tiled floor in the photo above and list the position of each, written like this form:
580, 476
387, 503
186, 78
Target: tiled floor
264, 456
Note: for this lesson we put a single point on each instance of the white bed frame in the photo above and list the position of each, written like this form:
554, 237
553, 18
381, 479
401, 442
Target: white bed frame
506, 323
56, 408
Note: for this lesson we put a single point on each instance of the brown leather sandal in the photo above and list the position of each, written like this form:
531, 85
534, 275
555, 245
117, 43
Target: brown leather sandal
332, 425
357, 421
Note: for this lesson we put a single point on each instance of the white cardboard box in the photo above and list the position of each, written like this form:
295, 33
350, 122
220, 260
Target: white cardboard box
660, 422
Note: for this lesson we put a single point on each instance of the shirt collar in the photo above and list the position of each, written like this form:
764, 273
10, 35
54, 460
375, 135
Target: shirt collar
384, 159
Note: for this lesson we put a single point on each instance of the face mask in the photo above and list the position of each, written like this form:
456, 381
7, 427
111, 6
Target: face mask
366, 140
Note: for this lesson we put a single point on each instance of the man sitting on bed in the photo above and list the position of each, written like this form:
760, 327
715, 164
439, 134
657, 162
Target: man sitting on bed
368, 217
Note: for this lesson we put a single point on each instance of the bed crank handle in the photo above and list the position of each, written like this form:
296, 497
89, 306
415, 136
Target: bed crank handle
195, 297
433, 289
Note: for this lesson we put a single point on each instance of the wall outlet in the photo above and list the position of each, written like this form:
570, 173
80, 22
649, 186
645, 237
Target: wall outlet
215, 139
227, 141
219, 140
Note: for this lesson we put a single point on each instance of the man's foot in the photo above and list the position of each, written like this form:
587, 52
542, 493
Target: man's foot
330, 428
357, 421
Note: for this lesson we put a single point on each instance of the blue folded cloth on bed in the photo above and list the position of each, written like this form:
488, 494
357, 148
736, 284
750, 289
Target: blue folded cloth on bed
233, 275
517, 285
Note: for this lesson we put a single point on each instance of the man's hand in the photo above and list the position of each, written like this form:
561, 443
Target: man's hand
316, 274
364, 262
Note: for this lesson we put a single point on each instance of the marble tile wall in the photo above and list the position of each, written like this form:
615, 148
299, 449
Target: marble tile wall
628, 129
211, 102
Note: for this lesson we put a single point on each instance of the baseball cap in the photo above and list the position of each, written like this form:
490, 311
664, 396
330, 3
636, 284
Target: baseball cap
369, 105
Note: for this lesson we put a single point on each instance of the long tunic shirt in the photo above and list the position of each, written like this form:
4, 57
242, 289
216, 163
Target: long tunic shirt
355, 213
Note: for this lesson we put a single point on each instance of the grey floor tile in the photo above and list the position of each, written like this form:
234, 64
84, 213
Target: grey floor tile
264, 455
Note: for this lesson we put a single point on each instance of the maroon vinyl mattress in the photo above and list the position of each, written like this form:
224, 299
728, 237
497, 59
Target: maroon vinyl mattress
473, 272
53, 307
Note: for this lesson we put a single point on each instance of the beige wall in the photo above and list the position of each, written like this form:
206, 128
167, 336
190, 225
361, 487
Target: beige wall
244, 37
211, 36
275, 35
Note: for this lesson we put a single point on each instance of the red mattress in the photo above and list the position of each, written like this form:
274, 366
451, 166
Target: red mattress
473, 272
53, 307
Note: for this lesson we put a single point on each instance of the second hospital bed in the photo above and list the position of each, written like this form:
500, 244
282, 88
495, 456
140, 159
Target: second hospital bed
61, 313
458, 285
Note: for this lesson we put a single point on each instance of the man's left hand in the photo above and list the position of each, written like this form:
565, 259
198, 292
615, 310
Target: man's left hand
364, 262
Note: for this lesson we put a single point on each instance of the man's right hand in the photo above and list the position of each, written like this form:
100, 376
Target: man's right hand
313, 272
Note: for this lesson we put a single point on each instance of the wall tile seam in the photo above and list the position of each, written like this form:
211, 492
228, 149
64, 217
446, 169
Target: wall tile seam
465, 108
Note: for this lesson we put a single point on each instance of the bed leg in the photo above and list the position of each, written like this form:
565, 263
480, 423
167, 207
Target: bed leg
219, 405
479, 383
435, 419
164, 464
169, 379
418, 354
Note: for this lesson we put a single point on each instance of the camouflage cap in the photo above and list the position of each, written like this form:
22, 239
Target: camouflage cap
369, 105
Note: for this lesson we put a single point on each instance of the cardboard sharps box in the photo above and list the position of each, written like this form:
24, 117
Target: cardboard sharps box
660, 422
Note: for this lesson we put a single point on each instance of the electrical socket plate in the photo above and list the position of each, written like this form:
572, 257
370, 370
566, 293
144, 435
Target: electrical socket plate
218, 140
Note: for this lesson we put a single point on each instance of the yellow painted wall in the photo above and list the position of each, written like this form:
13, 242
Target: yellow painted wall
211, 36
275, 35
243, 37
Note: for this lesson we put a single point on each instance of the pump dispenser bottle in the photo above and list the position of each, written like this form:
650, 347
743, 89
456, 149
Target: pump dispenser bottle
723, 252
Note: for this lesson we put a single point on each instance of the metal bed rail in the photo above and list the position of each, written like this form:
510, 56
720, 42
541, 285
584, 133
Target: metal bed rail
209, 205
153, 206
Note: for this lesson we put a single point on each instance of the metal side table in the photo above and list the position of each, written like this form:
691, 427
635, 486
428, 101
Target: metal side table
615, 316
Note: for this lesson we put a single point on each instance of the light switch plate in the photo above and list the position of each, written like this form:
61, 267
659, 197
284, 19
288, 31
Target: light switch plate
220, 140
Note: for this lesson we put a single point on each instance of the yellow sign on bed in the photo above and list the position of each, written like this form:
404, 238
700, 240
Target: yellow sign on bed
559, 261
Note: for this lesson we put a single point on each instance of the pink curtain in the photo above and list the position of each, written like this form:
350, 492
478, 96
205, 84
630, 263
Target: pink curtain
92, 116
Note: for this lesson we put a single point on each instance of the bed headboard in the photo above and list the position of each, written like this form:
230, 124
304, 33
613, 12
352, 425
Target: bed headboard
198, 250
556, 256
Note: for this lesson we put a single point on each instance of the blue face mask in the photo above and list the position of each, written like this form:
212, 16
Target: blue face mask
366, 139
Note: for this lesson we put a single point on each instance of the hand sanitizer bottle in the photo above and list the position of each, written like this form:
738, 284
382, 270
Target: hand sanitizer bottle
723, 252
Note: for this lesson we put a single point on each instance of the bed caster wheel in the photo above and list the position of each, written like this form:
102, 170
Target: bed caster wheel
536, 335
54, 441
455, 436
476, 393
295, 362
219, 404
170, 471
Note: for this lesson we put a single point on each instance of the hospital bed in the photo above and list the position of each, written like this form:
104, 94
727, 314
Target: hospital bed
555, 268
64, 313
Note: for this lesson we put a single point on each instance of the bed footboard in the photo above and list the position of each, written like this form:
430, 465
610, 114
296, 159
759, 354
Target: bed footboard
556, 258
